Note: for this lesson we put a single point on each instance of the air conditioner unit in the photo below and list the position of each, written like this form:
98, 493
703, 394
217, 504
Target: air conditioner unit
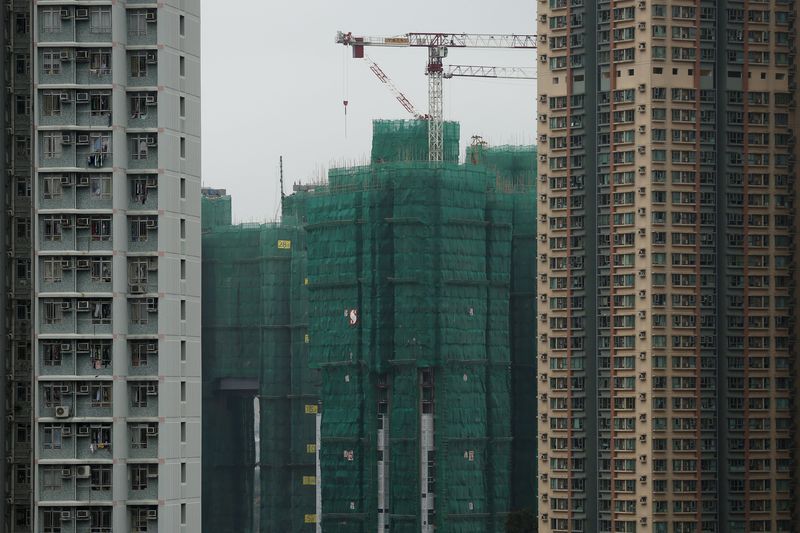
643, 520
82, 514
83, 471
66, 139
542, 18
642, 149
642, 210
83, 389
152, 347
544, 437
642, 293
642, 376
152, 430
642, 438
543, 417
542, 297
66, 306
62, 411
543, 476
137, 288
152, 304
543, 158
542, 138
642, 252
152, 57
83, 305
543, 258
83, 264
82, 222
642, 87
152, 390
542, 118
642, 25
642, 108
151, 223
643, 479
542, 98
83, 140
642, 171
82, 55
83, 181
66, 347
150, 16
66, 431
642, 314
66, 264
150, 100
543, 396
152, 141
66, 13
543, 237
642, 46
643, 273
83, 347
152, 264
643, 417
81, 13
643, 500
642, 232
543, 197
65, 389
543, 38
544, 497
83, 430
152, 514
543, 378
642, 355
642, 191
543, 317
642, 335
642, 4
65, 56
543, 277
66, 515
66, 472
543, 357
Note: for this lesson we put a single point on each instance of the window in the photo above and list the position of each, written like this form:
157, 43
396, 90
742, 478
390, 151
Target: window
140, 227
52, 394
52, 520
140, 312
22, 64
51, 20
182, 26
51, 478
53, 312
183, 391
100, 520
137, 22
101, 477
138, 271
51, 437
182, 106
140, 146
100, 104
140, 475
183, 188
139, 105
138, 64
140, 391
53, 270
51, 187
183, 268
183, 147
100, 354
100, 394
51, 104
23, 269
52, 144
22, 146
101, 312
139, 354
101, 269
100, 62
139, 436
100, 20
53, 228
23, 105
22, 24
100, 228
139, 519
51, 353
51, 62
183, 228
23, 187
183, 309
183, 66
100, 186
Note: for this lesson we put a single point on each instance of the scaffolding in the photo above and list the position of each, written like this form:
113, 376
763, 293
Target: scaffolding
255, 309
410, 291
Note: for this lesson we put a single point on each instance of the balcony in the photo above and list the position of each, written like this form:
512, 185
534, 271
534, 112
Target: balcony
143, 153
143, 233
143, 481
143, 440
143, 68
143, 358
143, 398
143, 193
142, 29
143, 314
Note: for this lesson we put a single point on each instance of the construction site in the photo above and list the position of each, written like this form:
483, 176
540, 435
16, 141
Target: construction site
369, 359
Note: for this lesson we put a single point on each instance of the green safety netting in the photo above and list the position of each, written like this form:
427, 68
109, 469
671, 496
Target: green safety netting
255, 318
215, 211
424, 253
407, 140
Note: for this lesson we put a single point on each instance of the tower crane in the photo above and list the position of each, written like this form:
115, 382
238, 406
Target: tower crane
438, 45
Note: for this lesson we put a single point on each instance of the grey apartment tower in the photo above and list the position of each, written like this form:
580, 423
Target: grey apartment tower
101, 181
667, 265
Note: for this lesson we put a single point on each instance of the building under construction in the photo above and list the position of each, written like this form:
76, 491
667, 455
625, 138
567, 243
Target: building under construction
401, 294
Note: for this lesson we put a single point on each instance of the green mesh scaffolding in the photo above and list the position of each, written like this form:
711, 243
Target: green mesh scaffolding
422, 256
215, 209
407, 140
255, 316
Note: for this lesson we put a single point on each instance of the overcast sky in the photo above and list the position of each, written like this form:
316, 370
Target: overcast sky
274, 81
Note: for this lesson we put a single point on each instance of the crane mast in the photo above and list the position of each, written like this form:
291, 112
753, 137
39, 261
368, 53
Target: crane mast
438, 45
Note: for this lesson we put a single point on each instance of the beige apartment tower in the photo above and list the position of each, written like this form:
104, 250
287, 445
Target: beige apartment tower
666, 265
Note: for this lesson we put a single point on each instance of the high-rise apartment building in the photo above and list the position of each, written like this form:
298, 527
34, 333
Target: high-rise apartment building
104, 188
665, 265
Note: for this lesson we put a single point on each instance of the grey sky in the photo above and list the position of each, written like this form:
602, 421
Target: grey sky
274, 81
